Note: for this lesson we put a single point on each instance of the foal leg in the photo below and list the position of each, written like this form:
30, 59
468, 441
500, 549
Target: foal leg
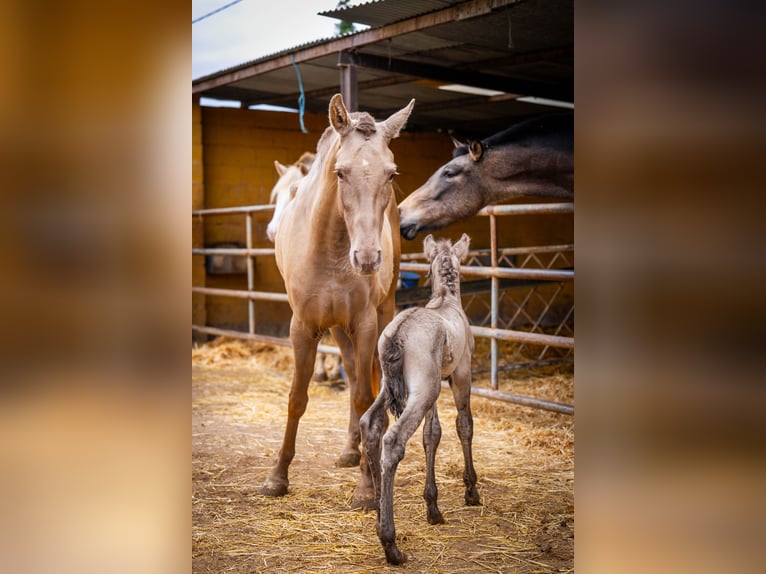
304, 351
460, 383
432, 434
350, 455
372, 425
392, 453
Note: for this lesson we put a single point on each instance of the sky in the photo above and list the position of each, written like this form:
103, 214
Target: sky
254, 28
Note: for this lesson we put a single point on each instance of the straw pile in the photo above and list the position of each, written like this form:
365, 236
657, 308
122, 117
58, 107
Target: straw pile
523, 457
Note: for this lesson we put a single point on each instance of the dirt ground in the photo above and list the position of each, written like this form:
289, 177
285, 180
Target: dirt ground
524, 460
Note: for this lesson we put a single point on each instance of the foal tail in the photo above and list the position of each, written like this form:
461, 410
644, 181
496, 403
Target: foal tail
391, 360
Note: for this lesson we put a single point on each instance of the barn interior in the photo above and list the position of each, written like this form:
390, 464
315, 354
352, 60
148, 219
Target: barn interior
473, 68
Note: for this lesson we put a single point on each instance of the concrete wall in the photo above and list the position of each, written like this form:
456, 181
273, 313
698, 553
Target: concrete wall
235, 166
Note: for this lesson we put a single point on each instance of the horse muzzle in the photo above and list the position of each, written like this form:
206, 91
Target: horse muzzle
366, 261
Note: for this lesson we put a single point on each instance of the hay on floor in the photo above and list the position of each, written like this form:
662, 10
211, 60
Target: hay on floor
523, 458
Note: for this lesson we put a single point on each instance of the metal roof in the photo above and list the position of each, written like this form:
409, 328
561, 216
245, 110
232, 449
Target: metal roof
518, 47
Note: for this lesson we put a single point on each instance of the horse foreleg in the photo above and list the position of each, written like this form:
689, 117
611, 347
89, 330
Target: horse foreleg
432, 434
460, 383
350, 455
304, 351
372, 425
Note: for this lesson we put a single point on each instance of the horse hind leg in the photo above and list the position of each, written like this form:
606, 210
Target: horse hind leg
350, 455
460, 384
432, 433
304, 351
394, 442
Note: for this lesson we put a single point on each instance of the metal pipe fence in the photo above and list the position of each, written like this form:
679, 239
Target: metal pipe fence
495, 272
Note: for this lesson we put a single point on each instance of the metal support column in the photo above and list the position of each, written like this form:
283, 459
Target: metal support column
349, 87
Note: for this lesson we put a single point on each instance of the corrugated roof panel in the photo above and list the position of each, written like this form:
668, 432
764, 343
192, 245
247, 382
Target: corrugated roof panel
380, 12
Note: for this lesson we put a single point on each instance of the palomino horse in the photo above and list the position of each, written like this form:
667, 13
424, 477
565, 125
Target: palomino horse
534, 158
284, 189
418, 349
338, 252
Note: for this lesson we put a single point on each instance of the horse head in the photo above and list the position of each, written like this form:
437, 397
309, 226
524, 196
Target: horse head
364, 167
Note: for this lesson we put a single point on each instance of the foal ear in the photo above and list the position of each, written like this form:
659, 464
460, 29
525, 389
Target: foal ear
429, 247
461, 247
475, 149
281, 169
393, 125
339, 118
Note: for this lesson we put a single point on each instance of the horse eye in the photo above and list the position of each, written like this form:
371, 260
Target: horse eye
391, 176
340, 174
450, 172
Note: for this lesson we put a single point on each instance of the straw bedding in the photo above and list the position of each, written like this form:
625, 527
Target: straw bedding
523, 457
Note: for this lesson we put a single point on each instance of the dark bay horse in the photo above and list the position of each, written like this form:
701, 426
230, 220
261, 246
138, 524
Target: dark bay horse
338, 252
534, 158
419, 348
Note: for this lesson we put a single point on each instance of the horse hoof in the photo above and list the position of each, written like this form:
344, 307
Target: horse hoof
436, 518
472, 499
364, 503
393, 556
274, 488
348, 460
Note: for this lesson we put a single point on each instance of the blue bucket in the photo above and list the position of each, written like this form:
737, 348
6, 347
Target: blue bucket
409, 279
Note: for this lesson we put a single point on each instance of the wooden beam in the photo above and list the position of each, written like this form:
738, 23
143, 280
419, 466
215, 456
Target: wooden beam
453, 76
462, 11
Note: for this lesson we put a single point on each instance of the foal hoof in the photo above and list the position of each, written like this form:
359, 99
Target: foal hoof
472, 499
348, 460
435, 518
274, 488
393, 556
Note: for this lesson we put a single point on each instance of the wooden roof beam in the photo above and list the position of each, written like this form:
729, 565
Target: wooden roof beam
453, 76
463, 11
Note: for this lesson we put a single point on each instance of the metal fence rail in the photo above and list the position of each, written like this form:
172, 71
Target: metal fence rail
495, 272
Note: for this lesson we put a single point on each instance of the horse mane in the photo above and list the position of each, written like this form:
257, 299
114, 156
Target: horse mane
447, 271
554, 129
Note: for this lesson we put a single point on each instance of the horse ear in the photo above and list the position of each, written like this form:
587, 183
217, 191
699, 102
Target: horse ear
457, 143
305, 161
429, 246
393, 125
475, 149
339, 118
281, 169
461, 247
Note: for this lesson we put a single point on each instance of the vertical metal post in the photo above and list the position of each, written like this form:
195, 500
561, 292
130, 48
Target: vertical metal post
494, 296
250, 272
349, 87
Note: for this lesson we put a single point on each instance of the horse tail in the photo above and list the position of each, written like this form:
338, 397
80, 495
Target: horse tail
391, 360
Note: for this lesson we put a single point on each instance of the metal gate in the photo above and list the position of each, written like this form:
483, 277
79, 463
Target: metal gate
543, 271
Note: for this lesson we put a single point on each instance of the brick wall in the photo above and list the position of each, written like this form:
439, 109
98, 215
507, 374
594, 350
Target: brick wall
234, 165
